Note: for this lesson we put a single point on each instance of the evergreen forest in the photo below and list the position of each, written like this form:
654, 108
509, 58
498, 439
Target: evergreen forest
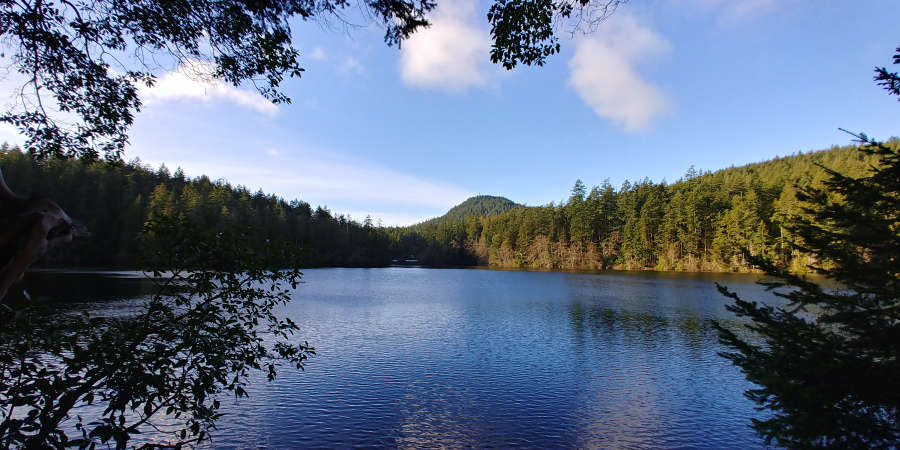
702, 222
115, 200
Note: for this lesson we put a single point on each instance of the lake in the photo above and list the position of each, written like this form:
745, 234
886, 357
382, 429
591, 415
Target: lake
415, 357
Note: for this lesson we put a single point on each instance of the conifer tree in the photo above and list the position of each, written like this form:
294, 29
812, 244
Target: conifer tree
827, 362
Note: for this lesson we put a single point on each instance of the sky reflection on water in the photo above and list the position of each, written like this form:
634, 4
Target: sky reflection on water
411, 357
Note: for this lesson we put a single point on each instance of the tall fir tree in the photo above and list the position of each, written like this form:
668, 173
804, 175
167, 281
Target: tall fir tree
826, 363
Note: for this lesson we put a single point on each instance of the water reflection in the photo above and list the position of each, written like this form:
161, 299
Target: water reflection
650, 329
650, 364
472, 358
71, 286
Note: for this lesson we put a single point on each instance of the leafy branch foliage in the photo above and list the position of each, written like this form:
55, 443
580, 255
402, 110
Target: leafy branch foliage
82, 60
211, 323
524, 31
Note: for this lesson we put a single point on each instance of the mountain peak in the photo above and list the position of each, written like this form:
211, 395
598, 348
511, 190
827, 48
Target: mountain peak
478, 205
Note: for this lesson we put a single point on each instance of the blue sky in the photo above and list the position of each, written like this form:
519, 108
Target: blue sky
403, 135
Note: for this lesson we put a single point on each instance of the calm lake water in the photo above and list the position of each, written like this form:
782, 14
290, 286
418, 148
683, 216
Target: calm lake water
414, 357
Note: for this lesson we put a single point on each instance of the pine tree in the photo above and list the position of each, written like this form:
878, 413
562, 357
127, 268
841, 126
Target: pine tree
828, 361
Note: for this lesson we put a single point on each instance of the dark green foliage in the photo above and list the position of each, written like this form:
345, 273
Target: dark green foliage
479, 205
115, 199
827, 362
442, 241
168, 363
890, 81
703, 222
87, 57
524, 31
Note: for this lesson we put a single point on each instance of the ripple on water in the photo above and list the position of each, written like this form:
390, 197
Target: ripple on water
425, 358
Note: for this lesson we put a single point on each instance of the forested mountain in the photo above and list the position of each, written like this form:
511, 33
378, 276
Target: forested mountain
115, 199
432, 242
479, 205
702, 222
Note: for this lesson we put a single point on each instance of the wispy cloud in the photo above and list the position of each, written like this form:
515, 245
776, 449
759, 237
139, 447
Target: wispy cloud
351, 65
317, 54
732, 11
343, 184
194, 81
452, 54
604, 74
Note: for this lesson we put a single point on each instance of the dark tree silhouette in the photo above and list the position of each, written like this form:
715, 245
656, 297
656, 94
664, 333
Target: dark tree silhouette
524, 31
162, 366
827, 363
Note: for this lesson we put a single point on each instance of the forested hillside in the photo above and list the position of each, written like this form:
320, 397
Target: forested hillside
702, 222
699, 223
432, 241
114, 201
479, 205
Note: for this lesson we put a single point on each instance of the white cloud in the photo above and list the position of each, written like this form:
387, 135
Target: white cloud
194, 81
273, 152
452, 54
604, 76
317, 54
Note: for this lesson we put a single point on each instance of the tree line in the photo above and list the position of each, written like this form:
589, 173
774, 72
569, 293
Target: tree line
705, 221
115, 199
